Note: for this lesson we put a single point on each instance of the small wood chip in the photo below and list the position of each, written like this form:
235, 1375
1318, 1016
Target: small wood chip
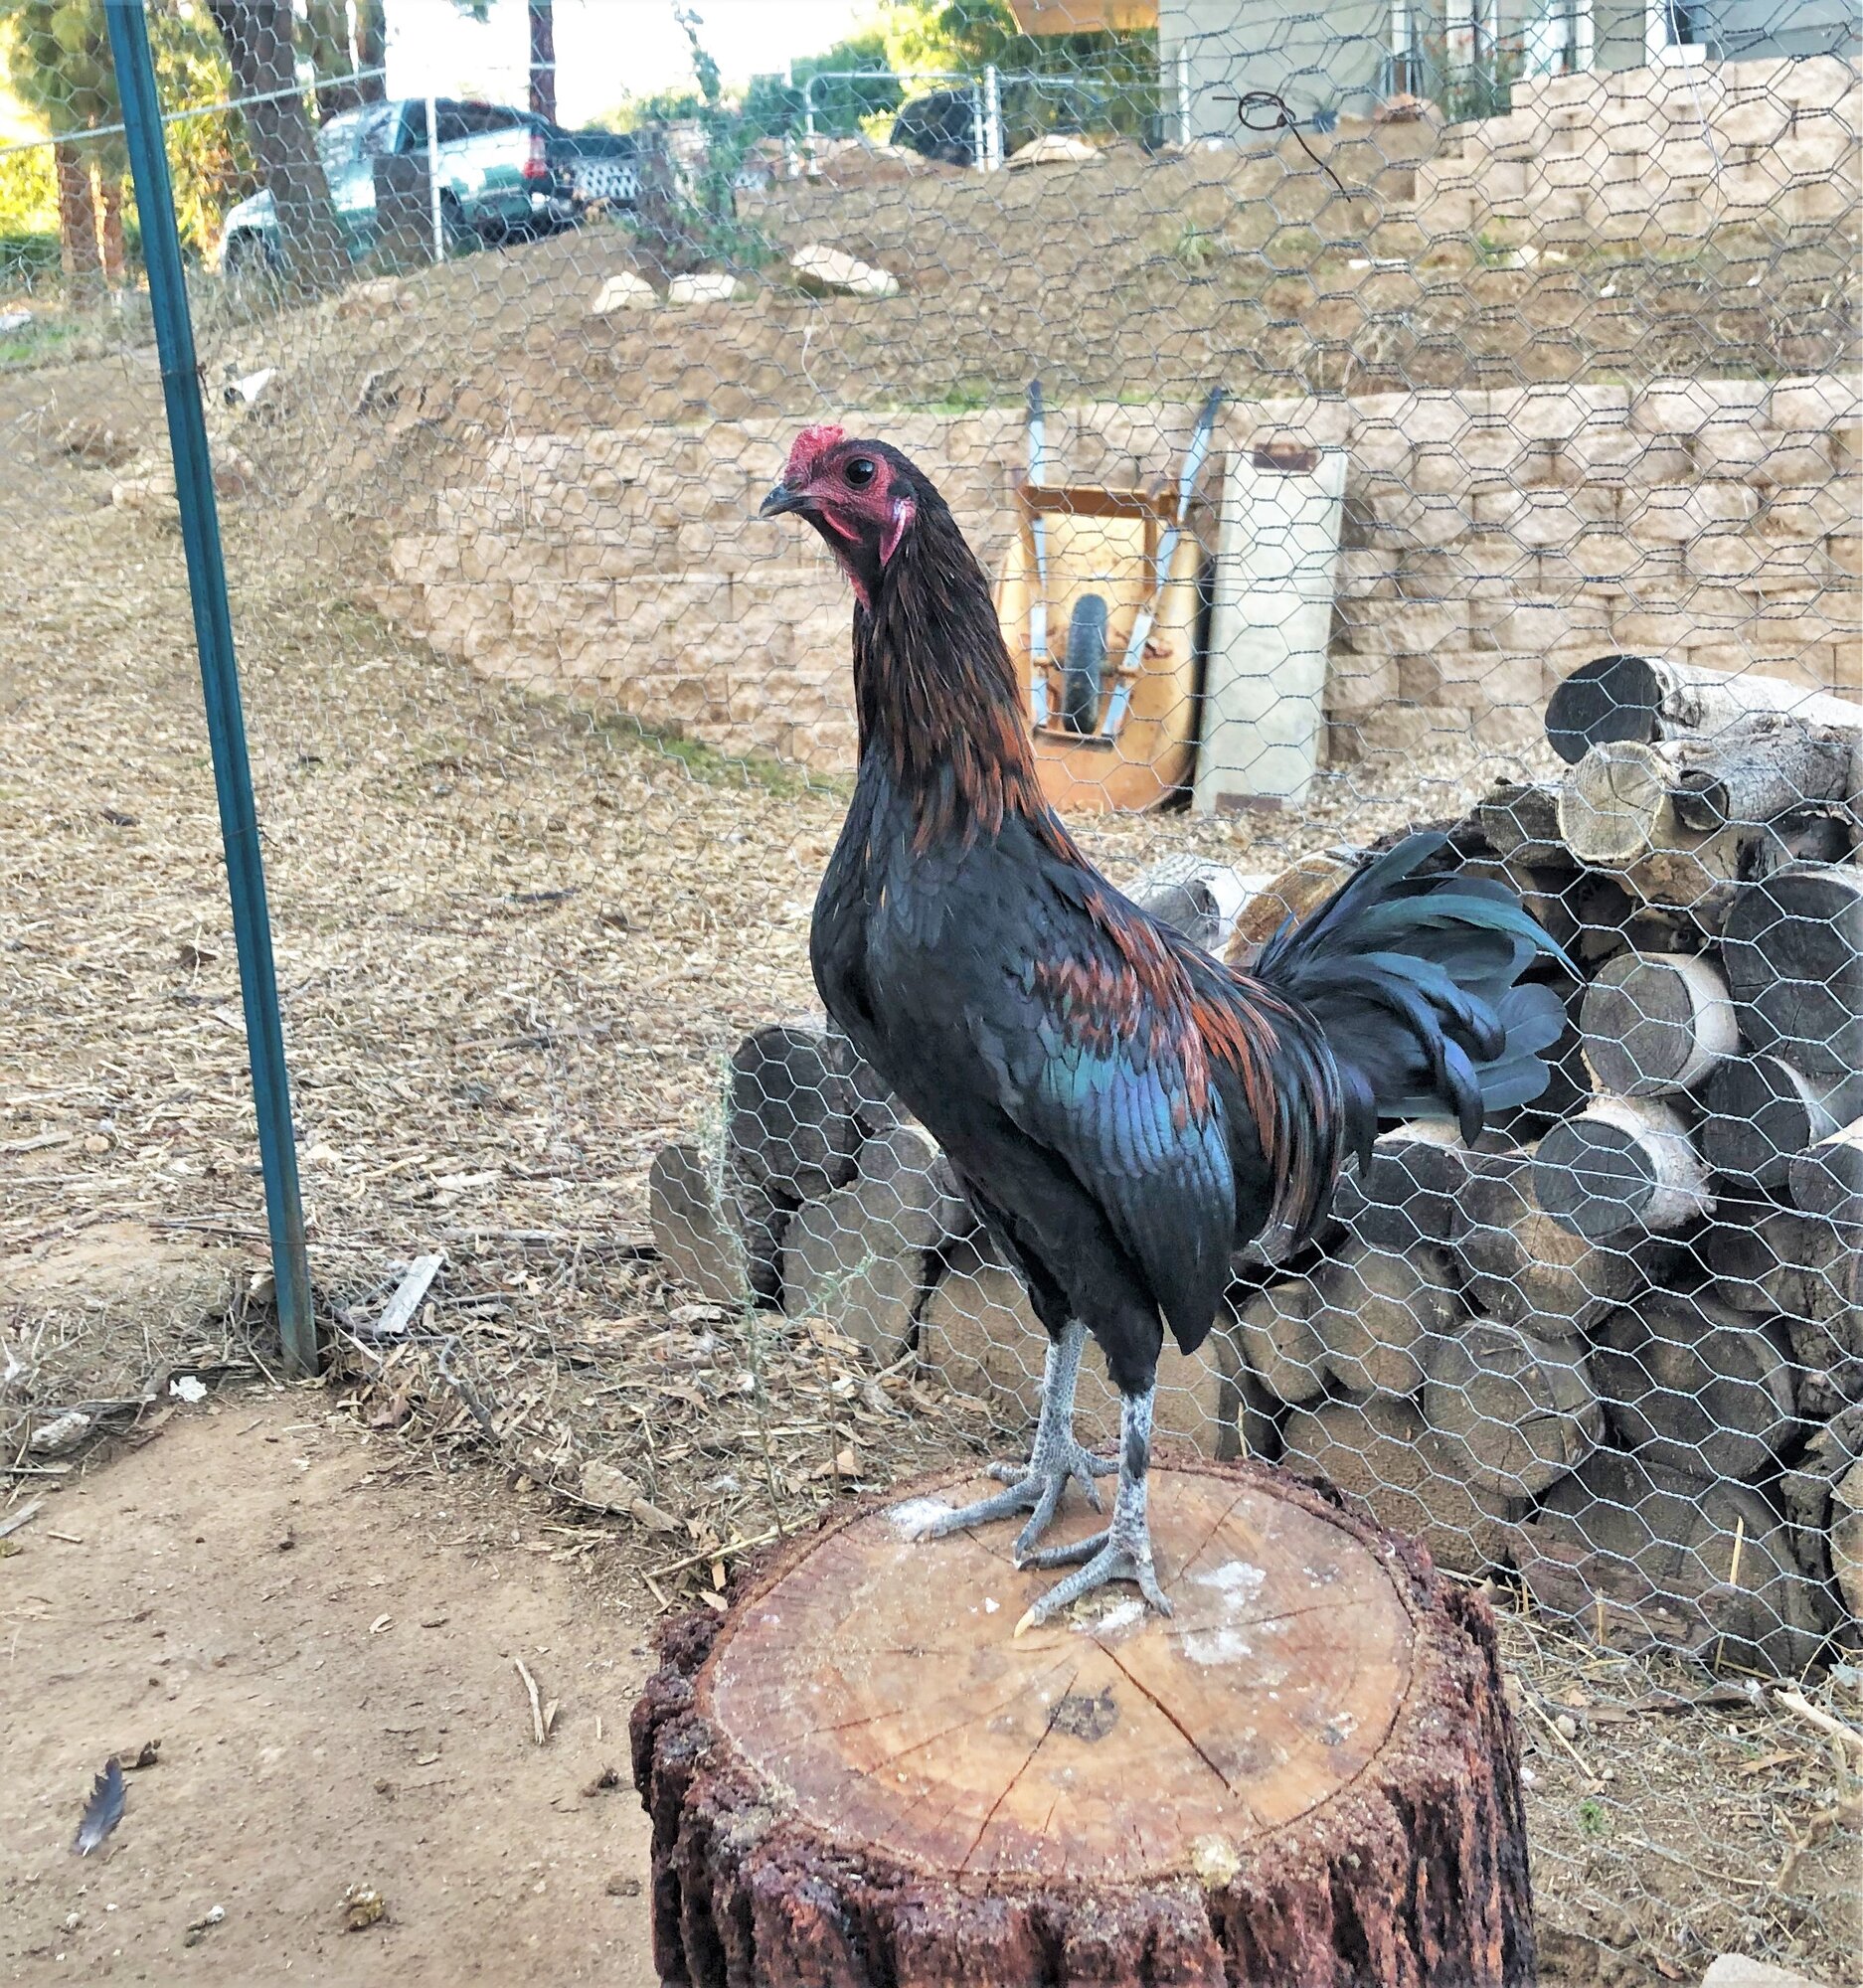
540, 1726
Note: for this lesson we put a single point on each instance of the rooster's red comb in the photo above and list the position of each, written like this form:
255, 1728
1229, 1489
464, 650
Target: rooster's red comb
810, 446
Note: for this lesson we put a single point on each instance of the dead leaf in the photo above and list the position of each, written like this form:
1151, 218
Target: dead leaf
363, 1907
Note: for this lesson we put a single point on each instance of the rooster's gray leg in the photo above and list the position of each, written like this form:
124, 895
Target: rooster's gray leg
1124, 1551
1036, 1487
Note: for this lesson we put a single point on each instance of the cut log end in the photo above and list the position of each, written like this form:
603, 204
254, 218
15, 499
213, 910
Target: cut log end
860, 1776
1621, 1165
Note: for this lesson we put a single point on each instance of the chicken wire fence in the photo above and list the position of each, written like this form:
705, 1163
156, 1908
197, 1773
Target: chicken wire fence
1362, 430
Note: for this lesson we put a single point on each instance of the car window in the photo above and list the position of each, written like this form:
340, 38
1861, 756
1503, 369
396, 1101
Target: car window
336, 142
467, 120
380, 130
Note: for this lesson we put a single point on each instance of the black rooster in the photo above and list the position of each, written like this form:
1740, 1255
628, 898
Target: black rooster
1123, 1112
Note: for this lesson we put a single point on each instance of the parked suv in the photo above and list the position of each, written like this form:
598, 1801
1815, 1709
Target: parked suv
498, 177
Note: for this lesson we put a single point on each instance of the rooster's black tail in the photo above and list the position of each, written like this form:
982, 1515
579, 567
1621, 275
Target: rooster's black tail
1416, 983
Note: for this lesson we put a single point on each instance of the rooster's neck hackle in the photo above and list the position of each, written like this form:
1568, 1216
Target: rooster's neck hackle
939, 708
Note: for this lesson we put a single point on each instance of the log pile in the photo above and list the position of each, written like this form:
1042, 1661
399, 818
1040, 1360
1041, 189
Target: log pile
1616, 1346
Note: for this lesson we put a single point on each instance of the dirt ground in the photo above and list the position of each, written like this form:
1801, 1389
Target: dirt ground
322, 1632
514, 942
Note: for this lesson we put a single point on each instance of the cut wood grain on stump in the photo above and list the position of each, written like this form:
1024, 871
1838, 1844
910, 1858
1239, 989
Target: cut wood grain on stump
1619, 1166
1514, 1410
1650, 1553
860, 1259
857, 1776
1794, 952
1386, 1461
1692, 1384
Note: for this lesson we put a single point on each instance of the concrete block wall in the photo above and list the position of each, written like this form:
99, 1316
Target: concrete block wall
1493, 541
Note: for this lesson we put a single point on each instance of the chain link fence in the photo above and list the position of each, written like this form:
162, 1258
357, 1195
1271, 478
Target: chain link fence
1363, 430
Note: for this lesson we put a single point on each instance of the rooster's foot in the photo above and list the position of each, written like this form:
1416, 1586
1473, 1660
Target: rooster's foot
1035, 1487
1108, 1558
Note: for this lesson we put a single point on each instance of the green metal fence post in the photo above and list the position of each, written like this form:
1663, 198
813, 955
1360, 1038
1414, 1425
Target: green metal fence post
213, 633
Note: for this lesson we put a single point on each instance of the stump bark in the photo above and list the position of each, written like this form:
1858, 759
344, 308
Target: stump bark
1309, 1776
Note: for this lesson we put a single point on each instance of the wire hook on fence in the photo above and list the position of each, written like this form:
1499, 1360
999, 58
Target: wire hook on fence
1281, 119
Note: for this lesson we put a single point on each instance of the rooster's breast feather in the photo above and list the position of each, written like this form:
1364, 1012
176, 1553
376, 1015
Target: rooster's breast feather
1088, 1032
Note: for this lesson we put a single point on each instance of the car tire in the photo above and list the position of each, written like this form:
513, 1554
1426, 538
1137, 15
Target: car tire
460, 235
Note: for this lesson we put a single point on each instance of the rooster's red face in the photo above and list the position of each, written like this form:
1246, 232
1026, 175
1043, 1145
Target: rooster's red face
856, 494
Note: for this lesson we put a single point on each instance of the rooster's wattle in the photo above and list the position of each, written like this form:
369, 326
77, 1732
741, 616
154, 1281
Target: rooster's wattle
1123, 1112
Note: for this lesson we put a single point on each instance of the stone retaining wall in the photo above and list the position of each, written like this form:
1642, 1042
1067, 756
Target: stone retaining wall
1493, 541
1654, 155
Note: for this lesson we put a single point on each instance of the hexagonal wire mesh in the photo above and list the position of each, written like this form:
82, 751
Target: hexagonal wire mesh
1529, 507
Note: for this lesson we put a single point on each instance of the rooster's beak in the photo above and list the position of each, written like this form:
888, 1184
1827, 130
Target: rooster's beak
781, 500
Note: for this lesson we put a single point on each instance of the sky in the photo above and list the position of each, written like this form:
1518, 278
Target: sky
605, 49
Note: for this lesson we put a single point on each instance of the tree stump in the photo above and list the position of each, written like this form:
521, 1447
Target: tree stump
1309, 1776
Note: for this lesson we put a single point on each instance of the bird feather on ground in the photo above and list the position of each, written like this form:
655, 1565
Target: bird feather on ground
1123, 1112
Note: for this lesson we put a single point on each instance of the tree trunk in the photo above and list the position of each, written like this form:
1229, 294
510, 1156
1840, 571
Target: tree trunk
858, 1776
372, 48
326, 47
115, 255
1643, 699
78, 222
258, 39
543, 30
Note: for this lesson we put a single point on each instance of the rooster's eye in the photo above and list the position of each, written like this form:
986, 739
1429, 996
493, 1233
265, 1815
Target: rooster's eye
861, 471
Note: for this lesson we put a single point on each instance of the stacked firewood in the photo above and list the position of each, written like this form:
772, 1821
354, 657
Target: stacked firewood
1617, 1347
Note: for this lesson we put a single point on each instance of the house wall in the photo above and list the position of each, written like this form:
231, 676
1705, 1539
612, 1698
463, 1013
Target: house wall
1332, 56
1328, 58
